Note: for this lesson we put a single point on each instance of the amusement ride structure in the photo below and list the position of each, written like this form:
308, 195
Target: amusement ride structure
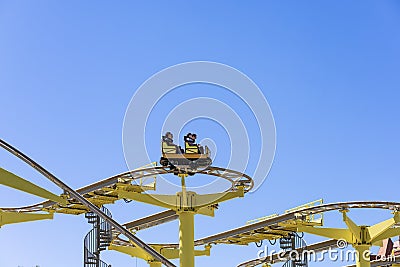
184, 205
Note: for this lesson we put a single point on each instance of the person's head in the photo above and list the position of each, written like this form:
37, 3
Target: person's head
169, 135
194, 136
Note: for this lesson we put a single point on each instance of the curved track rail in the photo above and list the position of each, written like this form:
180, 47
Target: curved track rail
87, 203
235, 178
395, 206
274, 221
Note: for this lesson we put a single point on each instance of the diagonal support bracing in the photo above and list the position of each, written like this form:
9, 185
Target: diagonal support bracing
377, 231
7, 217
87, 203
360, 237
352, 226
334, 233
11, 180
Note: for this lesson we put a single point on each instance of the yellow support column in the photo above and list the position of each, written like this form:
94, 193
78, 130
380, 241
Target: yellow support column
186, 204
362, 256
186, 230
186, 239
155, 264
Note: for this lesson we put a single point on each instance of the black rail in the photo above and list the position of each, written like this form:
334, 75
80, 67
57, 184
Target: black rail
87, 203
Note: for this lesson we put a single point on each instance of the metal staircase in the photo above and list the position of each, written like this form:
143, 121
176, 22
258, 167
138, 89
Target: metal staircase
97, 240
293, 242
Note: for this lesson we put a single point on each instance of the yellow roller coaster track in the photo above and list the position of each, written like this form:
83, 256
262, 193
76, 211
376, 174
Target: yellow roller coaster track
91, 197
86, 203
273, 227
107, 191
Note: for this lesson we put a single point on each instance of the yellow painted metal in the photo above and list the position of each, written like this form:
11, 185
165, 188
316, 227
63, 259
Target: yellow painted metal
193, 200
313, 219
70, 210
130, 187
108, 195
173, 253
381, 230
155, 264
334, 233
360, 237
363, 254
256, 236
354, 229
317, 218
205, 252
169, 253
100, 200
395, 231
132, 251
186, 239
19, 217
274, 233
262, 218
142, 181
11, 180
207, 211
186, 204
307, 205
186, 226
157, 200
206, 199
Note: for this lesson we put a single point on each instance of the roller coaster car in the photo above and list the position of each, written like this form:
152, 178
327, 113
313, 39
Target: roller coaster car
193, 158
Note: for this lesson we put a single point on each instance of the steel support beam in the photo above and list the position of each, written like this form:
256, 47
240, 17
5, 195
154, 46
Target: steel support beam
186, 239
14, 181
19, 217
87, 203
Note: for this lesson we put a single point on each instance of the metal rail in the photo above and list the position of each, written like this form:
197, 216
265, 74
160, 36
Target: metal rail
297, 214
395, 206
283, 218
270, 222
87, 203
236, 179
152, 220
230, 233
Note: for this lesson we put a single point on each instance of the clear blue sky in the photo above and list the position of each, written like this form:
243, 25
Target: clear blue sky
329, 70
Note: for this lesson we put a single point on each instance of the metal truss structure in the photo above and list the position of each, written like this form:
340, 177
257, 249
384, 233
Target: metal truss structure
183, 206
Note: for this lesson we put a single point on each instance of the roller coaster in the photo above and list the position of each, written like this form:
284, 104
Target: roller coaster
133, 185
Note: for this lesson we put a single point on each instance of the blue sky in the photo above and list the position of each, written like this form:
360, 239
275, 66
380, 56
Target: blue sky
329, 70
